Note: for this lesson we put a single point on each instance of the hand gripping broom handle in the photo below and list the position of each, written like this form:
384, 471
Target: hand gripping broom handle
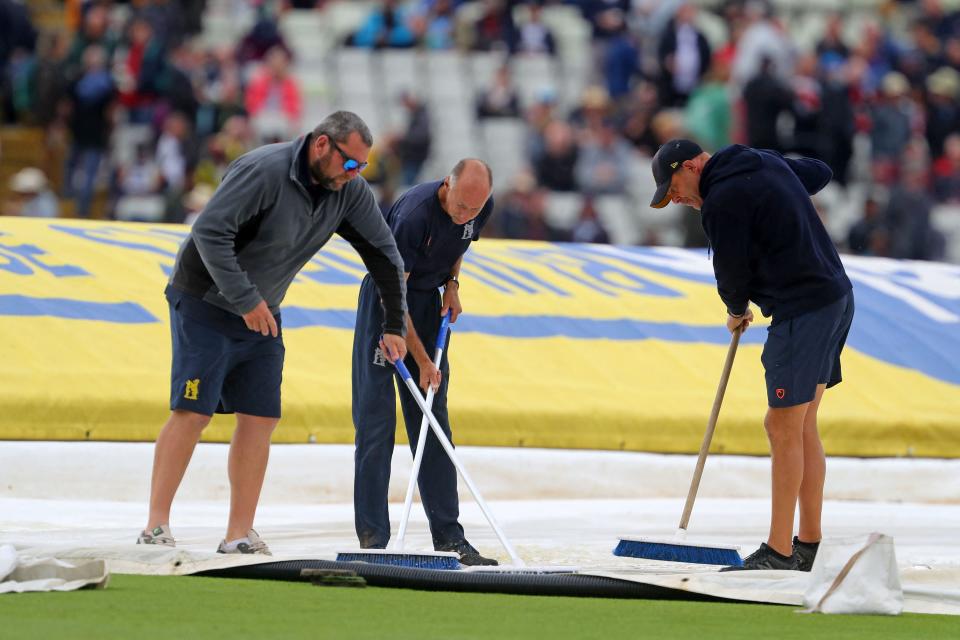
711, 426
445, 443
422, 440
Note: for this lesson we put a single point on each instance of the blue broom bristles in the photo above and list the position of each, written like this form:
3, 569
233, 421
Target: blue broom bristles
651, 550
413, 560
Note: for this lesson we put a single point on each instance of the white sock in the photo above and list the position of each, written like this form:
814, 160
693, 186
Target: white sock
232, 545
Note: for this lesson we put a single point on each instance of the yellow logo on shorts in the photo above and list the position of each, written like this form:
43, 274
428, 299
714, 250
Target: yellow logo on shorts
193, 389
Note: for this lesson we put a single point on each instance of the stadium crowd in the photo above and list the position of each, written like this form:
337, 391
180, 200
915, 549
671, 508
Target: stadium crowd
891, 81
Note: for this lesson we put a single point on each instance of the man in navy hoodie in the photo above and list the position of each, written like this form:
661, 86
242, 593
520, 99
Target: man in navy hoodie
769, 247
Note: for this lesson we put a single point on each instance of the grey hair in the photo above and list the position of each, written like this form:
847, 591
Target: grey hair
339, 125
460, 166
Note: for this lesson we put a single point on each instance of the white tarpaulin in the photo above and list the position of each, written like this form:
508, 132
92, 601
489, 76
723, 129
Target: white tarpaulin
20, 573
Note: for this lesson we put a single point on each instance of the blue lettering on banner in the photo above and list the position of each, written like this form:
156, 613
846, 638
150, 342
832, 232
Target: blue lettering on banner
113, 236
22, 258
121, 312
602, 277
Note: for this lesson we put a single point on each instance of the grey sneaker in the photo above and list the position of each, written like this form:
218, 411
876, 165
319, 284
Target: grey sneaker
766, 558
254, 544
805, 553
469, 557
159, 535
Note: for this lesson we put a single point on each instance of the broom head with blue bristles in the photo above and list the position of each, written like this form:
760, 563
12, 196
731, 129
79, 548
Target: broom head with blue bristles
678, 550
440, 560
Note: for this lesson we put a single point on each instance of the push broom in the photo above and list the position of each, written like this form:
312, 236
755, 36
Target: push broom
678, 549
395, 555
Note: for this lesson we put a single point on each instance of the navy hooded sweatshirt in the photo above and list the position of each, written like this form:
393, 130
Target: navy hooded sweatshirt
768, 243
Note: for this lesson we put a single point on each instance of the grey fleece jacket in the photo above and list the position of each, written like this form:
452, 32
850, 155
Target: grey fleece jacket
260, 228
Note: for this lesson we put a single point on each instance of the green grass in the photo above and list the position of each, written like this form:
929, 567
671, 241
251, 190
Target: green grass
190, 608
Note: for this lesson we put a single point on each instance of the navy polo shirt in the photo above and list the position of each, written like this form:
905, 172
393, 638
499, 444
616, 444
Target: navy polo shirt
430, 243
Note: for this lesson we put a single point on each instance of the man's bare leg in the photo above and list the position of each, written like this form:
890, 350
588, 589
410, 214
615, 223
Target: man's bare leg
814, 473
785, 433
171, 455
247, 465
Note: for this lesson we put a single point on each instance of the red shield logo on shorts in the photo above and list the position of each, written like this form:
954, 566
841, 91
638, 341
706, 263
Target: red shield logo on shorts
781, 393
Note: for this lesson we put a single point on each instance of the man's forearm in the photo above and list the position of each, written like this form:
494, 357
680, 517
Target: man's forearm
414, 345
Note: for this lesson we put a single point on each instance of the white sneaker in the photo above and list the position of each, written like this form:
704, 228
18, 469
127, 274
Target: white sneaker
252, 544
159, 535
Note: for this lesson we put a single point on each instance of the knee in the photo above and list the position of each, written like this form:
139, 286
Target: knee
781, 431
257, 424
190, 420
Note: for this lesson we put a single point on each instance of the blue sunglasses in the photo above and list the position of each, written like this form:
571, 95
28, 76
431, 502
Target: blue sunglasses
349, 164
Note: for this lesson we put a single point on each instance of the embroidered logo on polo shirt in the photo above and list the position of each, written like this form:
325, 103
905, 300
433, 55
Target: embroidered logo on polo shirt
467, 231
192, 391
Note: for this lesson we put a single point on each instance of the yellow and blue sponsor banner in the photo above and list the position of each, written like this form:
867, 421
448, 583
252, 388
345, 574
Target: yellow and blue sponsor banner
560, 345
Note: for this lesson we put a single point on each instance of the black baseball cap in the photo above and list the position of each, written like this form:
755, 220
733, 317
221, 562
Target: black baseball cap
665, 163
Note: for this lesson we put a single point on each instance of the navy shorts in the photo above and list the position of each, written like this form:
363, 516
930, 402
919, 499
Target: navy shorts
803, 352
219, 365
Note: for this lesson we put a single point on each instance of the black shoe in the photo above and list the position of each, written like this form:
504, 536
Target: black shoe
766, 558
469, 557
805, 553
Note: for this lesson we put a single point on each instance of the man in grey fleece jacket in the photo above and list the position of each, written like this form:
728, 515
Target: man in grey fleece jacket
276, 207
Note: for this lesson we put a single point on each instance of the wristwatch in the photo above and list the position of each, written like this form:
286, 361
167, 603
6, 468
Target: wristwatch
452, 279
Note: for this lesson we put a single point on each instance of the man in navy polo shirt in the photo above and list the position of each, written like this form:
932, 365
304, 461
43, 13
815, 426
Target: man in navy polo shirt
770, 247
433, 224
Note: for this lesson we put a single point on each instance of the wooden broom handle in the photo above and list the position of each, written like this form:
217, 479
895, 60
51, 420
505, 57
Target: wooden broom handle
711, 426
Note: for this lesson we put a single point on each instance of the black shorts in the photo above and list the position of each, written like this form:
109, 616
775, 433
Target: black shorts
218, 371
803, 352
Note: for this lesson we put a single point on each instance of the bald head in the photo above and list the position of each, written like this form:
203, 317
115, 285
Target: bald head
466, 190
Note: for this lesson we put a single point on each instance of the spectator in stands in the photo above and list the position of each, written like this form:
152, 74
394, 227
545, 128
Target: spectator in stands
232, 141
500, 100
891, 117
166, 18
273, 98
831, 49
30, 195
637, 118
495, 28
684, 55
92, 98
49, 82
434, 24
175, 158
603, 163
221, 90
764, 40
522, 212
387, 26
806, 107
869, 236
620, 63
195, 201
946, 171
595, 109
555, 166
533, 36
538, 115
837, 125
766, 97
708, 114
95, 29
588, 227
907, 217
942, 108
138, 70
140, 188
412, 147
176, 83
262, 37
